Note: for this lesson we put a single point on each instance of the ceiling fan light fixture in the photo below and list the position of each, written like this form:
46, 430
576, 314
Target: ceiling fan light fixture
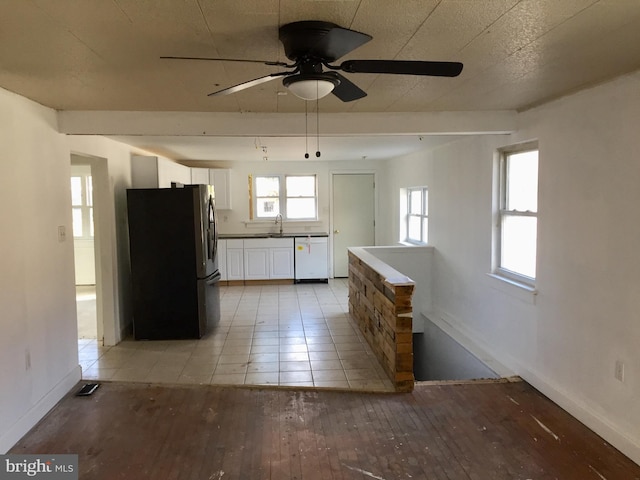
310, 87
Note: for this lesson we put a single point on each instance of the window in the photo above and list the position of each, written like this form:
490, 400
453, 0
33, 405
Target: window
417, 215
82, 205
293, 196
518, 213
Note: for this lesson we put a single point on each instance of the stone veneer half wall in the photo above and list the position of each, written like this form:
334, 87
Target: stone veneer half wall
380, 303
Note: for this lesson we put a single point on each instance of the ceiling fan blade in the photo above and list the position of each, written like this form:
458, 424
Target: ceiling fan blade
403, 67
324, 40
347, 91
265, 62
249, 84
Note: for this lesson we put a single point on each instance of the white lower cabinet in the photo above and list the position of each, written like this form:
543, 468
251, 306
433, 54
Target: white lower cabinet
256, 263
235, 259
281, 263
222, 259
265, 259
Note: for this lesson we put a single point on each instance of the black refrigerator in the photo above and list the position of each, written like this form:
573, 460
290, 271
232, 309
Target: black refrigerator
174, 268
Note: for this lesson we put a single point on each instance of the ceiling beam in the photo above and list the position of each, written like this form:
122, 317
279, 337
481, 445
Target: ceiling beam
282, 124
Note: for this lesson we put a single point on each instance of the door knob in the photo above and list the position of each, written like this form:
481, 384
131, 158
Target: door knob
336, 231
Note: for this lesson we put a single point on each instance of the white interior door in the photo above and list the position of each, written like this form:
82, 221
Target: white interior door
353, 216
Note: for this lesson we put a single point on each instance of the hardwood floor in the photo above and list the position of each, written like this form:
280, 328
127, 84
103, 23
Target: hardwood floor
482, 431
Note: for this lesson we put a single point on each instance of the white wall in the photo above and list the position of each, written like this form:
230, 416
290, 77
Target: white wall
235, 221
38, 331
38, 325
566, 339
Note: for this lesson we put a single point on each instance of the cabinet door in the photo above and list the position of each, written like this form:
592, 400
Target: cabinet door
200, 176
256, 263
169, 172
220, 179
281, 263
222, 259
235, 264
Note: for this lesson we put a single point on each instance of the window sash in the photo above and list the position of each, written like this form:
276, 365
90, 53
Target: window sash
417, 218
82, 209
300, 204
517, 228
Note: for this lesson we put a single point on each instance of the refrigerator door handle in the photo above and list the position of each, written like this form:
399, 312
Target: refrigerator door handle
214, 278
213, 225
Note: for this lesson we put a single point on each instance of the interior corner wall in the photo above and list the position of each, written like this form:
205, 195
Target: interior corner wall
565, 340
38, 329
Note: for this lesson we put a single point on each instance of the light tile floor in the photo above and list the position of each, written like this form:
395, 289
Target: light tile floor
86, 304
295, 335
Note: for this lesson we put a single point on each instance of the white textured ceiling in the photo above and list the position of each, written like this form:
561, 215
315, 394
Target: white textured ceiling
104, 55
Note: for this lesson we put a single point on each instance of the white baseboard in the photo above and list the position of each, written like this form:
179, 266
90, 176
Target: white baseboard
621, 440
9, 438
503, 363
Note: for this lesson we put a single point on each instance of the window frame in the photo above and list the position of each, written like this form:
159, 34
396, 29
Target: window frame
283, 197
85, 207
423, 215
503, 212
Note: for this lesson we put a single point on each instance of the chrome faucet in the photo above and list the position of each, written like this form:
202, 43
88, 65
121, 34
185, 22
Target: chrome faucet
280, 217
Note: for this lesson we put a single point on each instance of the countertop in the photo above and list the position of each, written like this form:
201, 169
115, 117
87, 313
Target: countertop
224, 236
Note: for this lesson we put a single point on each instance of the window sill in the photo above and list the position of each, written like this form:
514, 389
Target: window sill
258, 223
519, 290
404, 243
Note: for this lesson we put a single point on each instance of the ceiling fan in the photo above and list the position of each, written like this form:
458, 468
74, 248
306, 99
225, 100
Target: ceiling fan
313, 46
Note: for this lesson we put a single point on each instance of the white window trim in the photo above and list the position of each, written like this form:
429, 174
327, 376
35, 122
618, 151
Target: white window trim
510, 277
282, 198
407, 215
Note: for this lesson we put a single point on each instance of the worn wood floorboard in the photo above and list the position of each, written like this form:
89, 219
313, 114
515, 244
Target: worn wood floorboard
473, 431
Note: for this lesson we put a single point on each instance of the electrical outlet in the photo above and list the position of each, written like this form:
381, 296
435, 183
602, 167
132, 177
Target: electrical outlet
619, 371
62, 233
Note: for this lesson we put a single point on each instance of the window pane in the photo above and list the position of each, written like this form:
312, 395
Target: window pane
425, 211
425, 230
301, 186
77, 222
89, 191
519, 244
76, 191
268, 207
414, 228
301, 208
267, 186
91, 221
522, 181
415, 202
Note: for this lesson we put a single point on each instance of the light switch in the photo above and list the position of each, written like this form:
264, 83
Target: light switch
62, 233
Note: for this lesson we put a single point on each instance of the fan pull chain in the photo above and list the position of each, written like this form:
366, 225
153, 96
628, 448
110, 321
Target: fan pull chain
317, 123
306, 130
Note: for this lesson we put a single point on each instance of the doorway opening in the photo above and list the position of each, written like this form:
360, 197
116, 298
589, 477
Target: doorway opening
91, 231
84, 249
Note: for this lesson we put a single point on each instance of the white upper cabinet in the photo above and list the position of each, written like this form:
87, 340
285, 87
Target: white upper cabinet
200, 176
220, 179
155, 172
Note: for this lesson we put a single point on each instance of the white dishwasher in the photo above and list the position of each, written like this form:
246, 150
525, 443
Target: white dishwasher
311, 259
